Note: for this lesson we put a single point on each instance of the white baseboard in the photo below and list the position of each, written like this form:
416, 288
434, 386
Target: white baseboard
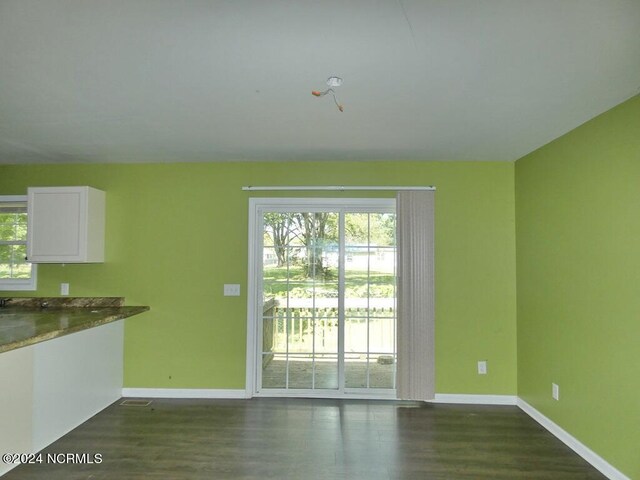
573, 443
237, 394
475, 399
184, 393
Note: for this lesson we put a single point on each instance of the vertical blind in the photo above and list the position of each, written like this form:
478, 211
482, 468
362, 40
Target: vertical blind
416, 309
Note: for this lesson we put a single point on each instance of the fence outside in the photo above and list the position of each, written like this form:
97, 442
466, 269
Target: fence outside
378, 336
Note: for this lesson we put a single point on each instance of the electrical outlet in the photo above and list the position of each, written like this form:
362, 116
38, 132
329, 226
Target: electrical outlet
555, 391
231, 290
64, 289
482, 367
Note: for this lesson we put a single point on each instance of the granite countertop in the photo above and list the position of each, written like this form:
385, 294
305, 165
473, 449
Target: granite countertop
29, 320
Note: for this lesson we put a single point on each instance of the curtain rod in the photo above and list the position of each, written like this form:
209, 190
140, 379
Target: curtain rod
335, 187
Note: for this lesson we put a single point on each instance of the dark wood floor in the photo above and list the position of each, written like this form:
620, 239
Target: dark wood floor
311, 439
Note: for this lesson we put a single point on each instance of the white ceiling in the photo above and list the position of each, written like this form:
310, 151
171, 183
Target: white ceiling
169, 80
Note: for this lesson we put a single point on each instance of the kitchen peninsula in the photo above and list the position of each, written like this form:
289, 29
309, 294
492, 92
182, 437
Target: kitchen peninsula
29, 320
61, 362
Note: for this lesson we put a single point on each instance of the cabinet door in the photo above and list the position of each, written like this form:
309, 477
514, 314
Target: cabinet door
65, 225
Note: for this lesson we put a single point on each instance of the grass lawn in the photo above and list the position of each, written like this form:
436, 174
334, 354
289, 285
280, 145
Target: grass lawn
379, 284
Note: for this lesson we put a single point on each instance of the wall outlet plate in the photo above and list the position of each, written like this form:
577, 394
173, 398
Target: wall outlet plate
555, 391
231, 290
482, 367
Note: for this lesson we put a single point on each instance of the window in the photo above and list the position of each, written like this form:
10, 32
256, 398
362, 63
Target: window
15, 272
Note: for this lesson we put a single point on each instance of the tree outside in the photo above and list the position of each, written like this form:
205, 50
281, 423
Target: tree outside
13, 235
301, 249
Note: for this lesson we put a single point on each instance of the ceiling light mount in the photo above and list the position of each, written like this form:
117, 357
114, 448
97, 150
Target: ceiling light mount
334, 81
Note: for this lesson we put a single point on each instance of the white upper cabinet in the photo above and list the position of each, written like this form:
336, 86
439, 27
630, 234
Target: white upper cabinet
65, 225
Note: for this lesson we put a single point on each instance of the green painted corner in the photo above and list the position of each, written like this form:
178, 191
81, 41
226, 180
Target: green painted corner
578, 274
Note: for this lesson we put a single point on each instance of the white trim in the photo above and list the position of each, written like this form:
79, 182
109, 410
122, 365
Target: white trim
573, 443
475, 399
184, 393
239, 394
340, 188
252, 287
327, 394
21, 285
319, 204
257, 206
341, 308
13, 198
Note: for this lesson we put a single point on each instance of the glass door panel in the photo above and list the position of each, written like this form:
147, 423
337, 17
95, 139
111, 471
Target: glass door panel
300, 280
370, 300
328, 297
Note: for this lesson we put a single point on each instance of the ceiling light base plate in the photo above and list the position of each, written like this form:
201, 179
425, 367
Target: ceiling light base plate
334, 81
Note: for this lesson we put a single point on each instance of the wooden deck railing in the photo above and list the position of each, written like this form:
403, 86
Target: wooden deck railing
300, 323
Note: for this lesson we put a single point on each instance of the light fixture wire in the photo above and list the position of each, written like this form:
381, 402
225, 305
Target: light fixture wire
318, 93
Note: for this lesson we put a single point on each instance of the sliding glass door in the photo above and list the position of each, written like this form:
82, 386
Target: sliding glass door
324, 317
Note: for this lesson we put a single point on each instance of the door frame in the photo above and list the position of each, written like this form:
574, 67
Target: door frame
257, 206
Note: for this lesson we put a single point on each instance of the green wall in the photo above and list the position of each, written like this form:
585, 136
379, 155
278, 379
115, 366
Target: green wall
177, 232
578, 278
